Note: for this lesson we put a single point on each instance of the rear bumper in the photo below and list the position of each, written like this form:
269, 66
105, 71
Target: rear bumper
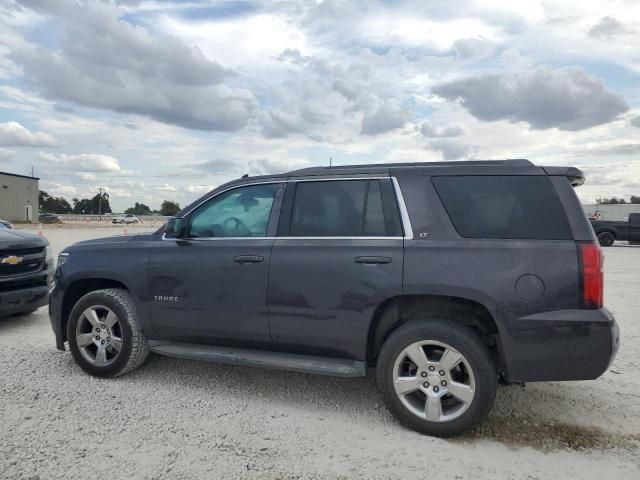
561, 345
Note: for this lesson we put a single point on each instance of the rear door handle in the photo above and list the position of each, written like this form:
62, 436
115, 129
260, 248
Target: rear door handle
372, 260
248, 258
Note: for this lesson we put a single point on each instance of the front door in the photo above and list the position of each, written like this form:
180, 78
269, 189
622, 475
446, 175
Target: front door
212, 285
337, 256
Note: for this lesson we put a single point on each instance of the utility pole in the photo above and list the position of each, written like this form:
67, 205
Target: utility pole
100, 206
330, 162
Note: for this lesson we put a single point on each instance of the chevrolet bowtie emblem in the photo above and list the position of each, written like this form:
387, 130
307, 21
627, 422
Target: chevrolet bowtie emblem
11, 260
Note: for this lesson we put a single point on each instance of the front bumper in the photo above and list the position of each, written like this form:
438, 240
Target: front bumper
30, 293
561, 345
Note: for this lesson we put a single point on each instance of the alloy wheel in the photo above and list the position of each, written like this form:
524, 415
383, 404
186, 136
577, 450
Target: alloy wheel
434, 381
99, 336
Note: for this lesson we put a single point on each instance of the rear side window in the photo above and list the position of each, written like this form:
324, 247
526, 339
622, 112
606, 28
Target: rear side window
511, 207
342, 208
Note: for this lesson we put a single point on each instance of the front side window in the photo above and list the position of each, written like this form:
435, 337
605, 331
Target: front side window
241, 212
342, 208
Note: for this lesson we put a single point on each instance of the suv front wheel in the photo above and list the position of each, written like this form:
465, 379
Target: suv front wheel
437, 377
105, 338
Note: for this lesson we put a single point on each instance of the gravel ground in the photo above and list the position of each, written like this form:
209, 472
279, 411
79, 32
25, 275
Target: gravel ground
175, 419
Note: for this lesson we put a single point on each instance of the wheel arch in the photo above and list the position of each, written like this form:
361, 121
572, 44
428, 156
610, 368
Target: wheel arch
77, 289
396, 311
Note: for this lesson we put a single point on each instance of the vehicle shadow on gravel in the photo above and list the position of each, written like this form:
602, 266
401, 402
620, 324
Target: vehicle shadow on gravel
549, 435
20, 321
359, 397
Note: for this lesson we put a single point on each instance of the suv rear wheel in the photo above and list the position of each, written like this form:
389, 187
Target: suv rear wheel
104, 336
437, 377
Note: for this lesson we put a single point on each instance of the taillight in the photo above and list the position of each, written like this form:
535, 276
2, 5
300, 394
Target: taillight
592, 276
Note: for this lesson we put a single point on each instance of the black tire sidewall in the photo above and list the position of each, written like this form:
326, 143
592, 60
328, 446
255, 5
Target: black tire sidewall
104, 299
469, 344
606, 239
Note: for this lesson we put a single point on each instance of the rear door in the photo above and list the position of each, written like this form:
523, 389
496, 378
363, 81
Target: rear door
337, 255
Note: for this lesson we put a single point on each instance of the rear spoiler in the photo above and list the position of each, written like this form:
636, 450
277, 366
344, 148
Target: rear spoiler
574, 175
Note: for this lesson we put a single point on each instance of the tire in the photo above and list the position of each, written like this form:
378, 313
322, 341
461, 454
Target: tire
132, 344
475, 372
606, 239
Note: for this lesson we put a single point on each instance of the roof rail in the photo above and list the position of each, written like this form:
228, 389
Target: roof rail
515, 162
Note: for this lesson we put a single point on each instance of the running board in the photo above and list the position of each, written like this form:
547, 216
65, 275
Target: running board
337, 367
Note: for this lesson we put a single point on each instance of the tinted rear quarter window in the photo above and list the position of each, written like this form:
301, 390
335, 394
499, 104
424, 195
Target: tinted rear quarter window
503, 206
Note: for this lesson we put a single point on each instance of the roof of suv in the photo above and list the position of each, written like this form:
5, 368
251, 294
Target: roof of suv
385, 167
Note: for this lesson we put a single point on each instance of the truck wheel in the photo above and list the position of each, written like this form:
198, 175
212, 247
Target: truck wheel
104, 335
606, 239
437, 377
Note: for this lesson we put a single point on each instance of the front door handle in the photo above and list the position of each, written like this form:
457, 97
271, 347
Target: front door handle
372, 260
248, 258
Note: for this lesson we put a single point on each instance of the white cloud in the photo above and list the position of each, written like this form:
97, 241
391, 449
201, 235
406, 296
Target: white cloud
452, 149
428, 130
383, 119
473, 48
6, 155
84, 162
159, 77
13, 134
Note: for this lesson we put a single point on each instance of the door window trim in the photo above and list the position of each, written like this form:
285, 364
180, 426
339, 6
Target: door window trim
278, 202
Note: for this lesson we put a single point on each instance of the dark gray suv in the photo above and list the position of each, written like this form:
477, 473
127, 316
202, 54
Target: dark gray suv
445, 277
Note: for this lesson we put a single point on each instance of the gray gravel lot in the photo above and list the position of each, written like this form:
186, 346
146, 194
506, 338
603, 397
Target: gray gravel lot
175, 419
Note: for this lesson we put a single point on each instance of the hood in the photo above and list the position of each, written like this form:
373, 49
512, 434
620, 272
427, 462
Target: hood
12, 239
101, 241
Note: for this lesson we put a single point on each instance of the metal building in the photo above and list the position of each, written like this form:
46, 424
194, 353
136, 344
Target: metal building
18, 197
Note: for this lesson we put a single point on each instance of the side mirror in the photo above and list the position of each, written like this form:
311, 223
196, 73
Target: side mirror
174, 228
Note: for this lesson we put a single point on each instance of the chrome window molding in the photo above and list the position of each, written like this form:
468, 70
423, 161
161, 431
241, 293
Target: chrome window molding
338, 238
404, 214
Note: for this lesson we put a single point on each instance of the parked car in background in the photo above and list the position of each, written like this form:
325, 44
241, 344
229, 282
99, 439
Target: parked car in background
447, 277
128, 218
26, 272
610, 231
48, 218
5, 223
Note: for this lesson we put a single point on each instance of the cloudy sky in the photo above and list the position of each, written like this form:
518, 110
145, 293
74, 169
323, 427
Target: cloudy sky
166, 99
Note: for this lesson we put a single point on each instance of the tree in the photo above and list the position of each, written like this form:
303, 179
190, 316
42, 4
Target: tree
169, 208
50, 204
139, 209
92, 206
610, 201
634, 199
